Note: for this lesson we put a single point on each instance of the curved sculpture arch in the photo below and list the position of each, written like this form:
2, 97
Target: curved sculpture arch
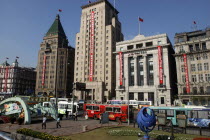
27, 112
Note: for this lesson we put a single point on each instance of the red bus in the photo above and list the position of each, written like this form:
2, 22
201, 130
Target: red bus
94, 110
115, 111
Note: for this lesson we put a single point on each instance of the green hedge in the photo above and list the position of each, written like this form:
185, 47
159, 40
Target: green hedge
39, 135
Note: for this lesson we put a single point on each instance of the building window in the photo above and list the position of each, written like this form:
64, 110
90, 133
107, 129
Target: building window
149, 44
194, 78
159, 42
139, 45
131, 96
192, 58
197, 48
182, 59
181, 49
205, 56
183, 78
181, 39
199, 67
191, 48
201, 90
184, 90
121, 48
200, 77
195, 90
130, 47
182, 68
204, 46
207, 77
140, 73
151, 73
140, 96
162, 100
151, 97
198, 57
206, 66
193, 67
131, 71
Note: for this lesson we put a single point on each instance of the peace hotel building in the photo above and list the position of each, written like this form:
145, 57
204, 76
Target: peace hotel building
192, 62
145, 70
95, 44
55, 68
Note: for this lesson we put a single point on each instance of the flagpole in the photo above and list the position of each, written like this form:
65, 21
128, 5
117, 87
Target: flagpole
139, 26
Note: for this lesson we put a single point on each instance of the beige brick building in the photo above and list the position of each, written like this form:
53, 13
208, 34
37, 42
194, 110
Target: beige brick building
55, 68
100, 29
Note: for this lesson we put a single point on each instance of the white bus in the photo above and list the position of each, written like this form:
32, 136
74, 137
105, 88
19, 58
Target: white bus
66, 107
136, 104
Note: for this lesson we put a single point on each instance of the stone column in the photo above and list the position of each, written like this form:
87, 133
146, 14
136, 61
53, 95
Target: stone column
135, 71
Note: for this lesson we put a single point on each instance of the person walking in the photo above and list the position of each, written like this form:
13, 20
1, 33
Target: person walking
44, 122
119, 121
75, 116
58, 122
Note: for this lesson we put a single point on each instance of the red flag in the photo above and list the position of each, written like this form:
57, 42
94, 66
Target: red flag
140, 19
17, 57
7, 58
60, 10
194, 22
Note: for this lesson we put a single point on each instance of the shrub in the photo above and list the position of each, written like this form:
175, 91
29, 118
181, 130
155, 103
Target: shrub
39, 135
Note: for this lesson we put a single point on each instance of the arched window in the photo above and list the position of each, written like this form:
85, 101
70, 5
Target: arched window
194, 90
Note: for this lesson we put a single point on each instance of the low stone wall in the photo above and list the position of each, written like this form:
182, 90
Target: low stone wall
17, 136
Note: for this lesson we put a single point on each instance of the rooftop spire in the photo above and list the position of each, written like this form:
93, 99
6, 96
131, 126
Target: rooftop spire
56, 28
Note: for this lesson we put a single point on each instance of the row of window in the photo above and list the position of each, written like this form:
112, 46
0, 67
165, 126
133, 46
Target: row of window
194, 47
199, 79
195, 90
200, 67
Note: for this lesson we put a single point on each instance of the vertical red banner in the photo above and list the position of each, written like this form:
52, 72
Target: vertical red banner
92, 42
43, 70
5, 79
121, 68
186, 73
160, 64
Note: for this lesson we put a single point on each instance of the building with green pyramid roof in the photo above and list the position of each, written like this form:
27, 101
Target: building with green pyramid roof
55, 68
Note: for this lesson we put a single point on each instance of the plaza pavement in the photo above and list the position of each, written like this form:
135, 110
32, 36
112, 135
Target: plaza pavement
68, 126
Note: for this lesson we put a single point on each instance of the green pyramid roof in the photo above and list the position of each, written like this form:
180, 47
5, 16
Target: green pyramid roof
56, 28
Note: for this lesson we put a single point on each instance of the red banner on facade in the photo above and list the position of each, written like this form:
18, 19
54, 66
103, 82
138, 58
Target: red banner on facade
43, 70
5, 78
186, 73
92, 42
121, 68
160, 64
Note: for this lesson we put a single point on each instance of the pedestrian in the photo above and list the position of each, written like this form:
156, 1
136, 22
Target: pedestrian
58, 122
75, 116
66, 113
119, 121
100, 118
44, 122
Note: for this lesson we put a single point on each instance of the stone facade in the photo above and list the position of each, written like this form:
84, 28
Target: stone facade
140, 66
194, 86
95, 44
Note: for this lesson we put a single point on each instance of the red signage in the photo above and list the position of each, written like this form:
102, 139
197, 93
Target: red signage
5, 79
92, 28
186, 73
43, 70
121, 68
160, 64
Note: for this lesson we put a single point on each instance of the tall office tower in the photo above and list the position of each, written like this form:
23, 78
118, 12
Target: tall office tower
192, 52
95, 44
55, 68
146, 70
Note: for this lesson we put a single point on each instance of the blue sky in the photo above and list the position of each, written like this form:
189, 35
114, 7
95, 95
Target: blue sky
23, 23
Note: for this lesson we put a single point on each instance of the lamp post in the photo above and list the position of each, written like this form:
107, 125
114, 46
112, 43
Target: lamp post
73, 88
